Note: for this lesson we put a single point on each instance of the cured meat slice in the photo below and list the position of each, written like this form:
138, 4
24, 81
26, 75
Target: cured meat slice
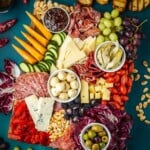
31, 84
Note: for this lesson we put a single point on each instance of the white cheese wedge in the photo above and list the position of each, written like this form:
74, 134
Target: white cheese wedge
32, 104
40, 110
69, 54
84, 92
45, 113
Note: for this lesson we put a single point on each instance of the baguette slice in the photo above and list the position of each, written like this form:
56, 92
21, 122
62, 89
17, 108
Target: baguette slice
146, 3
102, 2
140, 5
135, 5
120, 4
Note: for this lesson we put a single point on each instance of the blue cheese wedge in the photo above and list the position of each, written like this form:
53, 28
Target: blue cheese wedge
45, 113
40, 110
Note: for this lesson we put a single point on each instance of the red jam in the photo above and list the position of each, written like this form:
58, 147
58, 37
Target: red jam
56, 19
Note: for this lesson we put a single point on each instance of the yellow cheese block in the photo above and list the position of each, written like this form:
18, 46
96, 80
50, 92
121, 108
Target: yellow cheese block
84, 92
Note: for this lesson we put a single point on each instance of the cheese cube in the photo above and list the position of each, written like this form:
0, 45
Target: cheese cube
101, 81
92, 88
97, 88
84, 92
108, 85
97, 95
92, 96
106, 94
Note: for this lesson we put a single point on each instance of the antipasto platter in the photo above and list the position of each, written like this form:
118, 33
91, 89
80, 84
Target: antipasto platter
75, 75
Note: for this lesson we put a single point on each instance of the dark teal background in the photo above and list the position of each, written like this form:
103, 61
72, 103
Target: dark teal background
140, 135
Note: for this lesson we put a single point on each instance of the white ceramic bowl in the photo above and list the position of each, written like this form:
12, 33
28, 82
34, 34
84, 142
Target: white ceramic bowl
123, 59
67, 15
89, 126
55, 73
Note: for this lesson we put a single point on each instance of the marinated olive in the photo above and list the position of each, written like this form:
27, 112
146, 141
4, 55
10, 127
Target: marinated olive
105, 139
95, 147
88, 143
102, 133
102, 145
97, 139
97, 128
85, 136
91, 134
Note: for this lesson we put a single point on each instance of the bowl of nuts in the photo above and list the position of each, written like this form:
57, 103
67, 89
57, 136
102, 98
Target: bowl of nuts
95, 136
64, 85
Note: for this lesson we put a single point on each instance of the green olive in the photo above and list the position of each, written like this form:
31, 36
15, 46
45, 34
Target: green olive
102, 133
95, 147
85, 136
97, 128
105, 139
102, 145
91, 134
88, 143
16, 148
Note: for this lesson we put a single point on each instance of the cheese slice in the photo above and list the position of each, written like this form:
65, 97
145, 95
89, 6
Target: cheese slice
84, 92
45, 113
32, 104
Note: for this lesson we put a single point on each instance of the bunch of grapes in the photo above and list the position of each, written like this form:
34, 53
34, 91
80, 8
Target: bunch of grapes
109, 25
131, 36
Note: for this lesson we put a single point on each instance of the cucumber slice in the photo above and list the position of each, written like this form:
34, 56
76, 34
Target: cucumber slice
54, 43
36, 68
54, 52
25, 67
58, 39
63, 35
50, 53
49, 57
45, 66
49, 46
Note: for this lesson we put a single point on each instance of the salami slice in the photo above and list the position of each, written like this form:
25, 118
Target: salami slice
31, 83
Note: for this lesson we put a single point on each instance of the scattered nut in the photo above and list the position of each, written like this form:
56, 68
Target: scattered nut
145, 63
147, 76
137, 77
142, 97
147, 122
145, 90
144, 82
147, 95
148, 70
135, 70
145, 104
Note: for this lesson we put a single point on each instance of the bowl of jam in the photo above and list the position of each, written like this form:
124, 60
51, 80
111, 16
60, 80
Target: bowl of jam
56, 19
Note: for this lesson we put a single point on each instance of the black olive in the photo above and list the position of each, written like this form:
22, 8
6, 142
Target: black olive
71, 103
94, 102
69, 111
77, 100
75, 112
64, 105
97, 139
87, 106
67, 117
81, 112
75, 119
76, 106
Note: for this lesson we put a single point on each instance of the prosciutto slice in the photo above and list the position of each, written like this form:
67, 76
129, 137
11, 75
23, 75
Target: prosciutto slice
31, 83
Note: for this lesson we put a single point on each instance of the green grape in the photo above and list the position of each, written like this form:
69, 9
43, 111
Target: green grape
106, 31
113, 37
102, 20
114, 13
107, 23
118, 21
120, 28
107, 15
101, 26
107, 38
100, 39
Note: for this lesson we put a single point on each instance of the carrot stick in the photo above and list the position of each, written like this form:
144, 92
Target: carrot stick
36, 35
30, 49
28, 58
39, 25
35, 44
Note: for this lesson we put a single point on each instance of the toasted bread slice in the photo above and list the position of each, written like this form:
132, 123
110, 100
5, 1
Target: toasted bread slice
120, 4
135, 5
102, 2
140, 5
146, 3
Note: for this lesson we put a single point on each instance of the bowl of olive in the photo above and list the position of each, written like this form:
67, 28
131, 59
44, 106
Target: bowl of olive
95, 136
